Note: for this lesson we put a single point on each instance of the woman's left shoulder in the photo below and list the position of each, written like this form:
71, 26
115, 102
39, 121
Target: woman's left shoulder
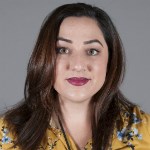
136, 136
139, 116
141, 120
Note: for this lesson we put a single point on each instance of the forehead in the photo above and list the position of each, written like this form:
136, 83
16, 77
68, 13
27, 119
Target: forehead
76, 25
79, 29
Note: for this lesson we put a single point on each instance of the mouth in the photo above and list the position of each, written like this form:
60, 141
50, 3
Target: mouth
78, 81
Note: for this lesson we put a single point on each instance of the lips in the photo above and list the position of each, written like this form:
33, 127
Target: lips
78, 81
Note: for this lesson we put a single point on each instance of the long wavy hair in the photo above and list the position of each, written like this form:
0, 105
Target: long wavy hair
30, 119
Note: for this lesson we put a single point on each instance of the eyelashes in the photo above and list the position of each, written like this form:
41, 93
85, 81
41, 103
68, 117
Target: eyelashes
93, 52
89, 52
62, 50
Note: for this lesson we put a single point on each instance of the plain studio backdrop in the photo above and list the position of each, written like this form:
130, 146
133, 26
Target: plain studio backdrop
20, 21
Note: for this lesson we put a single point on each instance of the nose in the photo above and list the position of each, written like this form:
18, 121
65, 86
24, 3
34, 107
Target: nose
78, 63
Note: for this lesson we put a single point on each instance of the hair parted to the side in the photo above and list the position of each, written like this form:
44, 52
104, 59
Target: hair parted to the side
29, 120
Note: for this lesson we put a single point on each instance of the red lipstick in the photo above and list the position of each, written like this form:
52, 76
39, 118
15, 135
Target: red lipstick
78, 81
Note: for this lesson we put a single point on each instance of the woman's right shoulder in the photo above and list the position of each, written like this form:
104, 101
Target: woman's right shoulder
6, 138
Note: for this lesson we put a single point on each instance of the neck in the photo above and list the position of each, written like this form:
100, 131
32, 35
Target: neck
75, 111
77, 121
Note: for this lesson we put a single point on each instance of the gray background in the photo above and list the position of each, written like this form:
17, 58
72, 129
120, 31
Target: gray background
20, 21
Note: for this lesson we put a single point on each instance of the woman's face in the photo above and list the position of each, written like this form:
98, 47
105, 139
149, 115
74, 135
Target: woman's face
81, 60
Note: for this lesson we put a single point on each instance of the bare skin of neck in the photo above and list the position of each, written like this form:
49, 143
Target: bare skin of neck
77, 121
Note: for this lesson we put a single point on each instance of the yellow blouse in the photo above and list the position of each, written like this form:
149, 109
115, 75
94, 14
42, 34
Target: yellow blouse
135, 138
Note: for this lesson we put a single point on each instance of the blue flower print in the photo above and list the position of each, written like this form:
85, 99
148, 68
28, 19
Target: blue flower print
128, 135
136, 133
5, 131
139, 136
135, 119
6, 139
121, 134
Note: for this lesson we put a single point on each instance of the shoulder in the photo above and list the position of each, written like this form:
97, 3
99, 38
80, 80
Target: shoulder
147, 120
136, 135
141, 120
6, 138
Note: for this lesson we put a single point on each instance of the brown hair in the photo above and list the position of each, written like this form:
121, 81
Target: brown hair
29, 120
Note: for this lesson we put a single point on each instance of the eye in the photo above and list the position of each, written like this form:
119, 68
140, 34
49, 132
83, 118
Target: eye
62, 50
93, 52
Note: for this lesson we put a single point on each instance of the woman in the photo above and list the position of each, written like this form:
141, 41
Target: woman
72, 97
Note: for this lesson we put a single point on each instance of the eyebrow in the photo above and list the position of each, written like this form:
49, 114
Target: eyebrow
63, 39
85, 42
93, 41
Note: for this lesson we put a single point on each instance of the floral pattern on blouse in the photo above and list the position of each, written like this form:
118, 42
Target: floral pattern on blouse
136, 137
5, 139
127, 135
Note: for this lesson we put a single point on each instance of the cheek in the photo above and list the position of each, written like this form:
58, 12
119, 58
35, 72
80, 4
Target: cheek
100, 74
99, 69
60, 71
60, 66
100, 66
